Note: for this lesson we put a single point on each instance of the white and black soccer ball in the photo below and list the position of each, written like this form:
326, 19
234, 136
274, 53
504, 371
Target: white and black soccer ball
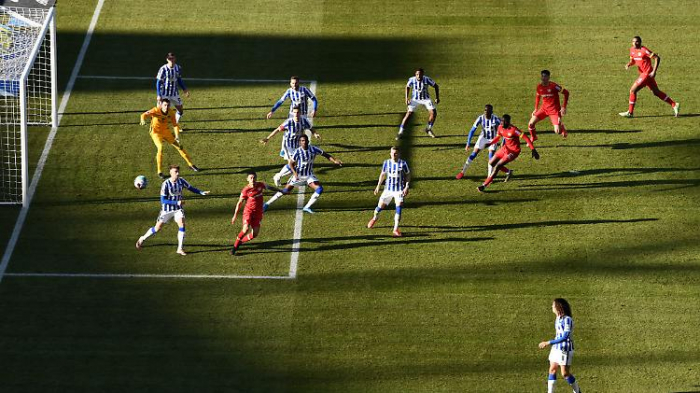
140, 182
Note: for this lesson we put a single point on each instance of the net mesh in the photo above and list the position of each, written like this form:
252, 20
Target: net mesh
20, 29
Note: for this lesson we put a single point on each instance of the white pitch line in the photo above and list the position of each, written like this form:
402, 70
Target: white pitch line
148, 78
127, 275
49, 142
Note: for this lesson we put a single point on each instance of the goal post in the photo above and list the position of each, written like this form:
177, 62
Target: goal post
28, 88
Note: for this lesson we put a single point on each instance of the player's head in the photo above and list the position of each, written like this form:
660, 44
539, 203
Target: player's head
304, 141
419, 72
164, 105
545, 76
294, 82
506, 120
170, 58
252, 177
561, 307
174, 171
488, 110
395, 153
295, 113
637, 41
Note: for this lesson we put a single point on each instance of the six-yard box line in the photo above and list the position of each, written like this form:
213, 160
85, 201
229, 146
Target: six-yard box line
298, 220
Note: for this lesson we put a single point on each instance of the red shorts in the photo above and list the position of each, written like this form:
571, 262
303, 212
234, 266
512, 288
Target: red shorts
646, 81
252, 218
507, 155
554, 115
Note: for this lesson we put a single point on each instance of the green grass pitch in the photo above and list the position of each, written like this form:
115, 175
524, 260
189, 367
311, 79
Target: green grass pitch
607, 219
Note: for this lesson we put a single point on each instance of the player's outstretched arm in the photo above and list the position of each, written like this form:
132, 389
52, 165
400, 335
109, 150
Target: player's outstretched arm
315, 134
238, 208
629, 63
273, 189
293, 168
382, 176
314, 101
332, 159
437, 93
273, 133
144, 116
469, 137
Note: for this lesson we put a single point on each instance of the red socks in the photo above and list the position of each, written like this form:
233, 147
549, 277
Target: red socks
242, 238
633, 100
665, 98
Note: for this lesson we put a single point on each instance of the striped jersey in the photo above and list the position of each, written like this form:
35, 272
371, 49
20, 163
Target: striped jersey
298, 98
396, 172
563, 325
419, 87
489, 127
173, 192
293, 130
304, 160
168, 79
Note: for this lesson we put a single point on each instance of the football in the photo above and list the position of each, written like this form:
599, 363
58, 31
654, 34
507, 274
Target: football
140, 182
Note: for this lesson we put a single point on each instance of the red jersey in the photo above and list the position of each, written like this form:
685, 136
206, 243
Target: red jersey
511, 136
642, 59
253, 196
550, 96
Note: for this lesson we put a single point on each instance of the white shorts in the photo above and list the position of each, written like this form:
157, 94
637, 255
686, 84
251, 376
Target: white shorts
302, 180
387, 196
286, 152
174, 100
562, 358
482, 143
165, 217
428, 104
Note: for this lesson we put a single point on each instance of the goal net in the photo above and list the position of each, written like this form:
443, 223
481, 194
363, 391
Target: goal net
27, 91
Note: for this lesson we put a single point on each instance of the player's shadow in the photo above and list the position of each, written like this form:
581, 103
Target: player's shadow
611, 172
225, 130
362, 115
640, 145
187, 109
593, 131
354, 126
675, 184
522, 225
669, 115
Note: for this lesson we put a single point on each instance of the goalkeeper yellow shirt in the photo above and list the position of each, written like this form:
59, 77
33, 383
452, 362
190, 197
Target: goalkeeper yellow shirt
159, 120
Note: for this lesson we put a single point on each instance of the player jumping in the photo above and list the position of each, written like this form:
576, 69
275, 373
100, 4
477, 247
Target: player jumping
171, 207
299, 97
489, 127
417, 87
548, 92
293, 129
167, 81
562, 351
508, 152
162, 116
302, 166
641, 57
397, 175
252, 195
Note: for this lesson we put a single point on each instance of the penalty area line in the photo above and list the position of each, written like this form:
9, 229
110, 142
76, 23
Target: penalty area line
164, 276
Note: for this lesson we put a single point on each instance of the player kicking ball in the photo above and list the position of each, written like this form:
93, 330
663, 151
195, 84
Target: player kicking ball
641, 57
548, 93
171, 207
252, 196
508, 152
417, 88
302, 166
397, 175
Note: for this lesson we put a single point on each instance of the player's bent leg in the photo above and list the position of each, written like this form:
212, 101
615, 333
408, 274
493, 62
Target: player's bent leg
432, 115
570, 379
183, 154
318, 190
531, 126
402, 126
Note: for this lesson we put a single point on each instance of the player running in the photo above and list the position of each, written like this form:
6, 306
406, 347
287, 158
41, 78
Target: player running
489, 128
167, 81
171, 207
302, 166
293, 129
417, 87
508, 152
162, 118
299, 97
397, 175
252, 195
641, 57
548, 92
562, 351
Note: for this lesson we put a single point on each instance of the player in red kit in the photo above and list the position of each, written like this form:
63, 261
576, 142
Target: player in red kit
252, 195
641, 57
548, 92
508, 152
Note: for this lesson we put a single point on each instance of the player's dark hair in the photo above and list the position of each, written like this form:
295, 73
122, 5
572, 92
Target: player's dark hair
396, 148
173, 166
562, 306
165, 100
422, 71
490, 107
295, 78
296, 107
639, 38
251, 173
305, 137
170, 55
506, 117
545, 73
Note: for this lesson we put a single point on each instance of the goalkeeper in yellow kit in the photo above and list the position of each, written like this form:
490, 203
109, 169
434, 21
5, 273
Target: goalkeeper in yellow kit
160, 131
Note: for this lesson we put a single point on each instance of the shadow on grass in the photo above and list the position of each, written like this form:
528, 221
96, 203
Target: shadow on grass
187, 109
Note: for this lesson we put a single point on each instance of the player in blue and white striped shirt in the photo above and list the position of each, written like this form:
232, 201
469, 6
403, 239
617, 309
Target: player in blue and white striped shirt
299, 97
417, 87
168, 80
302, 166
293, 128
171, 207
562, 351
398, 176
489, 128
